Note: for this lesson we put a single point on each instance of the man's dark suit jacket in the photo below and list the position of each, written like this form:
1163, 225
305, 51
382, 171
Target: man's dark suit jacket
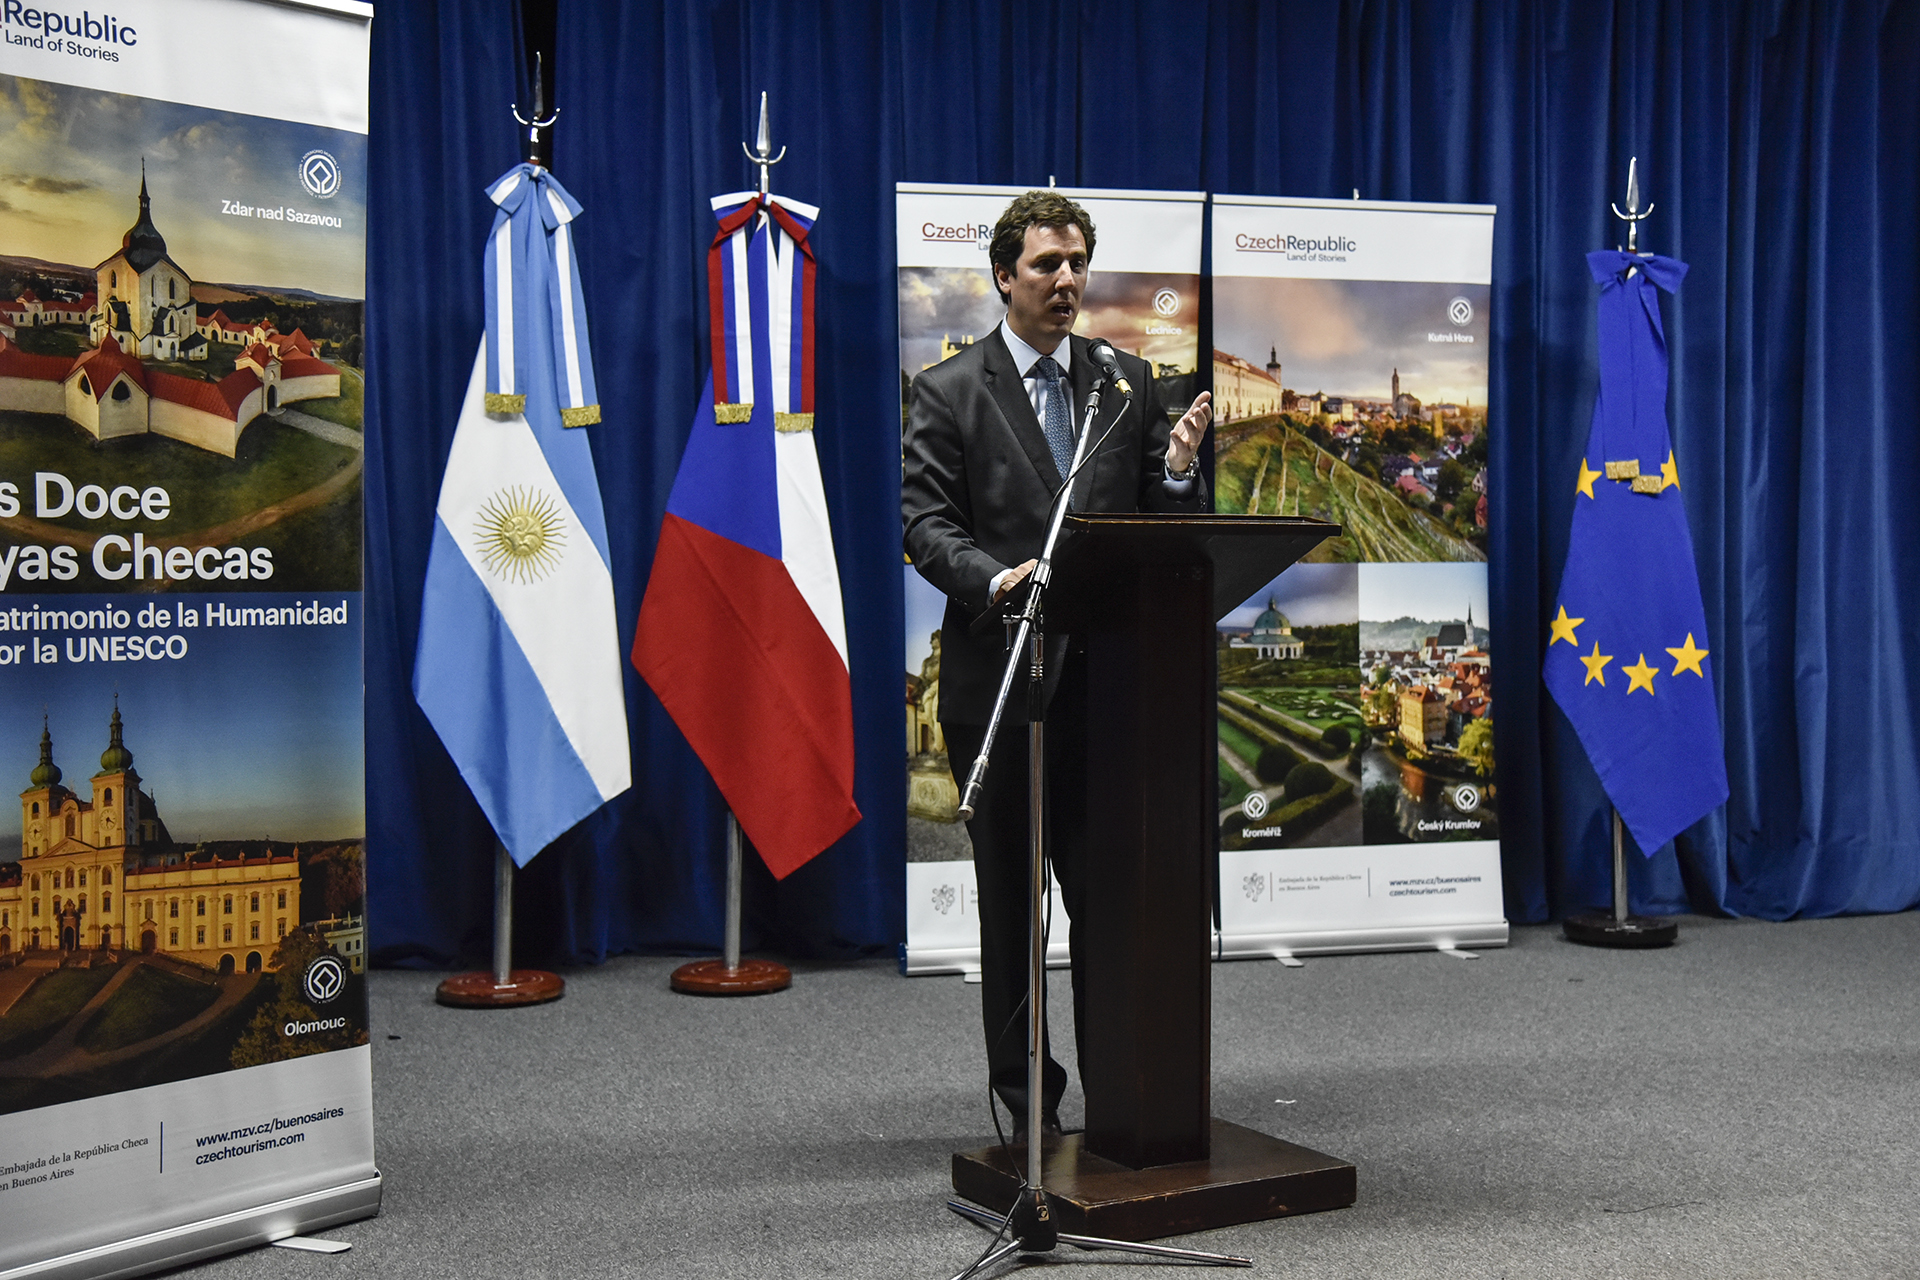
978, 480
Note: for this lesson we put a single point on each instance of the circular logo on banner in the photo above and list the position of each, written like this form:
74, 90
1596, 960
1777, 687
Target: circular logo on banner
1466, 797
324, 979
320, 174
1166, 302
1254, 806
1460, 311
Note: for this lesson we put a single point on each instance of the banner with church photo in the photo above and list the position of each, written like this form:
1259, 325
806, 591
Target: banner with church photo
1358, 808
184, 1060
1142, 295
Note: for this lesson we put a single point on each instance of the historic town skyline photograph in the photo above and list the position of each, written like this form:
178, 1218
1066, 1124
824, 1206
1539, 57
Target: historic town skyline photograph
1347, 337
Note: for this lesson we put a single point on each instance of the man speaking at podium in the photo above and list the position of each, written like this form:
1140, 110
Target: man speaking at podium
990, 434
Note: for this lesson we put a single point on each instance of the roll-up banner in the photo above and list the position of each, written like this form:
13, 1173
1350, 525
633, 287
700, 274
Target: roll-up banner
1357, 802
1143, 295
184, 1061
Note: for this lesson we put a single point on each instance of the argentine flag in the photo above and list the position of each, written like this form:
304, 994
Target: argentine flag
519, 664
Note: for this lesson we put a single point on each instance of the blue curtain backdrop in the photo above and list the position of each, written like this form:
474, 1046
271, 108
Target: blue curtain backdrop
1780, 142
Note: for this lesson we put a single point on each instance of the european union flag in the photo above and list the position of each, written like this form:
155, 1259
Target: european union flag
1627, 660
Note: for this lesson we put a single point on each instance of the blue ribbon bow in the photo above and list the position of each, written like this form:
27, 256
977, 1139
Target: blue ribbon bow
533, 287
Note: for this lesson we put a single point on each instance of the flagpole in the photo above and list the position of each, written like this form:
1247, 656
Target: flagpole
1620, 912
730, 949
503, 986
1621, 928
730, 975
502, 915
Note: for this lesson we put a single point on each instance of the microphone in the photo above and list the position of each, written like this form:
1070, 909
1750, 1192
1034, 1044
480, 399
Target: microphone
1104, 360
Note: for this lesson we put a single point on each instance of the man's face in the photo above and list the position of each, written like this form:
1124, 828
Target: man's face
1044, 288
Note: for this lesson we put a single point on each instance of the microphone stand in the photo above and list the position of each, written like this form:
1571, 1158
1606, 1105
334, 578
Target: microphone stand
1030, 1219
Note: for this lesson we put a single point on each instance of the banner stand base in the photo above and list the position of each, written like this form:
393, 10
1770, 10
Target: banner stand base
1601, 929
717, 978
480, 989
197, 1241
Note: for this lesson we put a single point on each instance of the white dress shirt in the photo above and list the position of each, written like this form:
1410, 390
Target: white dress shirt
1025, 357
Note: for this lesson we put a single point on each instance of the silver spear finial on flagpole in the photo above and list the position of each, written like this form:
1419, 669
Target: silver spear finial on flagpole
536, 152
762, 152
1634, 214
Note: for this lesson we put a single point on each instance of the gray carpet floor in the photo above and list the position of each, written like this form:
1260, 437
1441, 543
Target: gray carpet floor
1746, 1104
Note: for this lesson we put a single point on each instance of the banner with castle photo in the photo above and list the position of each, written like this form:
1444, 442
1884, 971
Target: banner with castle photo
184, 1060
1358, 808
1143, 295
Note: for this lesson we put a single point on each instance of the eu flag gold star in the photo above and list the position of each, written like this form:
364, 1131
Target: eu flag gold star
1688, 658
1563, 629
1669, 473
1595, 661
1641, 676
1587, 476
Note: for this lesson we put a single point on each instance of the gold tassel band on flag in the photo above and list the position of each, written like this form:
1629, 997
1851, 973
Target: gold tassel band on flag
793, 422
727, 412
500, 403
584, 416
1623, 470
1649, 484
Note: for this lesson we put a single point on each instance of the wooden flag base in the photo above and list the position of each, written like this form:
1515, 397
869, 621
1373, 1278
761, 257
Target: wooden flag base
1247, 1177
714, 978
478, 990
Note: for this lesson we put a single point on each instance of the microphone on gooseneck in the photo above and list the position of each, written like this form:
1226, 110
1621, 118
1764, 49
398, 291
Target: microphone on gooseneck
1101, 352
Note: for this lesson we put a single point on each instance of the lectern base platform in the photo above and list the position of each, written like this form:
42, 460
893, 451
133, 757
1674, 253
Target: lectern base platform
1601, 929
1249, 1177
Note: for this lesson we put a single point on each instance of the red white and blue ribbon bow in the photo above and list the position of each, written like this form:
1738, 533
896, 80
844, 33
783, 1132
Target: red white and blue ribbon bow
760, 261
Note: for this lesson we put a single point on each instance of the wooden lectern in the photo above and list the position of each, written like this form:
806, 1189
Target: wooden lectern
1145, 591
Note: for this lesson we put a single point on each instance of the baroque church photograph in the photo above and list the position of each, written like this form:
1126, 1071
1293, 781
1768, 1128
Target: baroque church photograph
139, 317
99, 872
131, 956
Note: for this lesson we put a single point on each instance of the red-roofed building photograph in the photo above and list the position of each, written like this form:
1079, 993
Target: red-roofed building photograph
142, 312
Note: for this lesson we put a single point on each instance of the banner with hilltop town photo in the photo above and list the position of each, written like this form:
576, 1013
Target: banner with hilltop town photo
1143, 295
184, 1061
1358, 809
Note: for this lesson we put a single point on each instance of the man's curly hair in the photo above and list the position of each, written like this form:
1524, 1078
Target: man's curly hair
1034, 209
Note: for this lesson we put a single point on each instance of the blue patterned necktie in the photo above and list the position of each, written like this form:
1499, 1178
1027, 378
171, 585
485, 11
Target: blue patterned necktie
1057, 422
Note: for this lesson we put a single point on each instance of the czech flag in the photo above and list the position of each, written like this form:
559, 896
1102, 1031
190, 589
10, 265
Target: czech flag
741, 633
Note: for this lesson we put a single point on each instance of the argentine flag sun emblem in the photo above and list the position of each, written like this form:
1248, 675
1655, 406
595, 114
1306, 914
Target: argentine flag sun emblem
521, 534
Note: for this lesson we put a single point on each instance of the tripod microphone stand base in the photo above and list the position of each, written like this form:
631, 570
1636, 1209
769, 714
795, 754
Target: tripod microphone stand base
1247, 1177
1050, 1241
